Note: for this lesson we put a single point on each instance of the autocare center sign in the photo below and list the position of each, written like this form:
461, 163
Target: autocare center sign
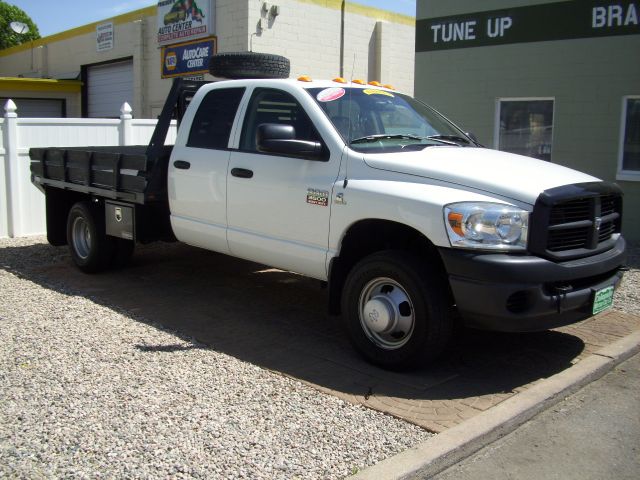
188, 58
536, 23
185, 32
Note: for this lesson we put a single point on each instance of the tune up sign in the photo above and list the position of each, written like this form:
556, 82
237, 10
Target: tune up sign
534, 23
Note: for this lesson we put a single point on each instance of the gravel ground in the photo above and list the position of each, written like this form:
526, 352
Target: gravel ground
627, 298
85, 392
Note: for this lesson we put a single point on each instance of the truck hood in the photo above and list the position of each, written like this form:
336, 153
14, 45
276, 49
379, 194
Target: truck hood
504, 174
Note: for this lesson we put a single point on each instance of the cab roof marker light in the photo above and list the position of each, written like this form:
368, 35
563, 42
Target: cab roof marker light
390, 87
305, 78
359, 82
339, 80
375, 83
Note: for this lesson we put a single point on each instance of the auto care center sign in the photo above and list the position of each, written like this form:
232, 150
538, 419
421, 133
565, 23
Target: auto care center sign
188, 58
181, 20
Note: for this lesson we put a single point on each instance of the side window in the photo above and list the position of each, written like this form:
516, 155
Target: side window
213, 121
275, 106
629, 156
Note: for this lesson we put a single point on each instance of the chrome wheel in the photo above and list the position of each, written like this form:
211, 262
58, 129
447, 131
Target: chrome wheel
387, 315
81, 237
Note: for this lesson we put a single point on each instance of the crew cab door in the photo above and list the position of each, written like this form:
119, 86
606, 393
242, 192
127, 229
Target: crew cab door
279, 205
197, 180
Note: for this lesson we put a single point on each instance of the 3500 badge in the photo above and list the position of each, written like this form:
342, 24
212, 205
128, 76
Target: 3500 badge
317, 197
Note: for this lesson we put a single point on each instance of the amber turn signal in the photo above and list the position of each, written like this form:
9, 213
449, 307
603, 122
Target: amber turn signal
455, 222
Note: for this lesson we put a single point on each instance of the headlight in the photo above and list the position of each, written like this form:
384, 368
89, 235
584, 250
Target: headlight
489, 226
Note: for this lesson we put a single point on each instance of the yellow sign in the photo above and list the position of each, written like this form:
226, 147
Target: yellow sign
372, 91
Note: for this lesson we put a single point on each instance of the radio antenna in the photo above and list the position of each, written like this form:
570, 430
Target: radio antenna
346, 169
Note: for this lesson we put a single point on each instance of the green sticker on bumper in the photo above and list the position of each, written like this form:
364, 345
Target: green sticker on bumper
603, 299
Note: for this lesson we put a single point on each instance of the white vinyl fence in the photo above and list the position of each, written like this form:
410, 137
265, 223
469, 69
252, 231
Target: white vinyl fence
22, 210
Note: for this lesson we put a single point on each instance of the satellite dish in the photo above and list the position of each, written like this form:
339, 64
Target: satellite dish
19, 27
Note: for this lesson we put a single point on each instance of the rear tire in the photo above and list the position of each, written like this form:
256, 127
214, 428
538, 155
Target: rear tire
90, 248
243, 65
396, 314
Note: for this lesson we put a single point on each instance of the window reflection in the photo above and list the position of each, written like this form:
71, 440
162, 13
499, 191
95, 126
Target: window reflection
526, 127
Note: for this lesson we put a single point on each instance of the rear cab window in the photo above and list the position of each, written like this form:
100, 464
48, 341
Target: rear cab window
211, 126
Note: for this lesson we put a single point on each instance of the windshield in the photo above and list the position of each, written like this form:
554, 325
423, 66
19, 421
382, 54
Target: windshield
376, 120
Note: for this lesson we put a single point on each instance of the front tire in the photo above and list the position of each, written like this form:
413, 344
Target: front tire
90, 248
396, 313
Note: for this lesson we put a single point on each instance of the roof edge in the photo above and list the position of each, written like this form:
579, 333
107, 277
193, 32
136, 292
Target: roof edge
40, 84
82, 30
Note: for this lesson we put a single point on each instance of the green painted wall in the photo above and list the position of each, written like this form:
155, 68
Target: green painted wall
587, 78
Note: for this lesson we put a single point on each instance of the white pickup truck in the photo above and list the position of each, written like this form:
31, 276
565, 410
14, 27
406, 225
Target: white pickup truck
412, 223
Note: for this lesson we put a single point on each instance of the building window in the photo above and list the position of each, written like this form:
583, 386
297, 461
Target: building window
629, 156
525, 126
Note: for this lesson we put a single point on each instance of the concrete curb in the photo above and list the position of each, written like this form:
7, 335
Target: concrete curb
451, 446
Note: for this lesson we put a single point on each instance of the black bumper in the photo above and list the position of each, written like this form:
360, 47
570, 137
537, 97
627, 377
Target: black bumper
517, 293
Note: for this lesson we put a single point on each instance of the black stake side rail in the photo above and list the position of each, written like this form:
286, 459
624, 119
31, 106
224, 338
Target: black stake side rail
97, 170
130, 173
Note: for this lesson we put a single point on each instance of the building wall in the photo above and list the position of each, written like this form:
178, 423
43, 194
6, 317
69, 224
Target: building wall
62, 55
587, 78
232, 26
72, 100
306, 31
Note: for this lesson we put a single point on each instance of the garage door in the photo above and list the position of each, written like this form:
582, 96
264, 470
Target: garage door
37, 107
109, 86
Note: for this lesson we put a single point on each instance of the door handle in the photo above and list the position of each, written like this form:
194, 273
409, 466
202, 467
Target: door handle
182, 165
241, 173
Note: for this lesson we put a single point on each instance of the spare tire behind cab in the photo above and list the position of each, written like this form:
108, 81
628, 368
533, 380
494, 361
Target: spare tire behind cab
241, 65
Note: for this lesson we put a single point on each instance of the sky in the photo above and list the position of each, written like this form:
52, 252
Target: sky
59, 15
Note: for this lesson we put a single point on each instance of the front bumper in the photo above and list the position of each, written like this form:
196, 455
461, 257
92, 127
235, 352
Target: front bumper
518, 293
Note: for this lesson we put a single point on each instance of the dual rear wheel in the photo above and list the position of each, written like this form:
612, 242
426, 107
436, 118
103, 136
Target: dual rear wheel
92, 250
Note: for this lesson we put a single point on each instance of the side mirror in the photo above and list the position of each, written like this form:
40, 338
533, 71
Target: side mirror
281, 139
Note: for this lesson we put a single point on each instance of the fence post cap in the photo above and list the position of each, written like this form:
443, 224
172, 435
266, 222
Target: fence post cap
10, 109
125, 110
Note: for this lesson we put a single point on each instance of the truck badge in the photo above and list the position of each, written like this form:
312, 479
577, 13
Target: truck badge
118, 214
598, 223
317, 197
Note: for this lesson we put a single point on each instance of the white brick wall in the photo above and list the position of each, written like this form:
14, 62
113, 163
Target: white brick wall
231, 25
309, 35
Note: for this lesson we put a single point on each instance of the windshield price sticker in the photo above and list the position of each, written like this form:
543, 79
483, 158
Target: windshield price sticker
602, 300
330, 94
373, 91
